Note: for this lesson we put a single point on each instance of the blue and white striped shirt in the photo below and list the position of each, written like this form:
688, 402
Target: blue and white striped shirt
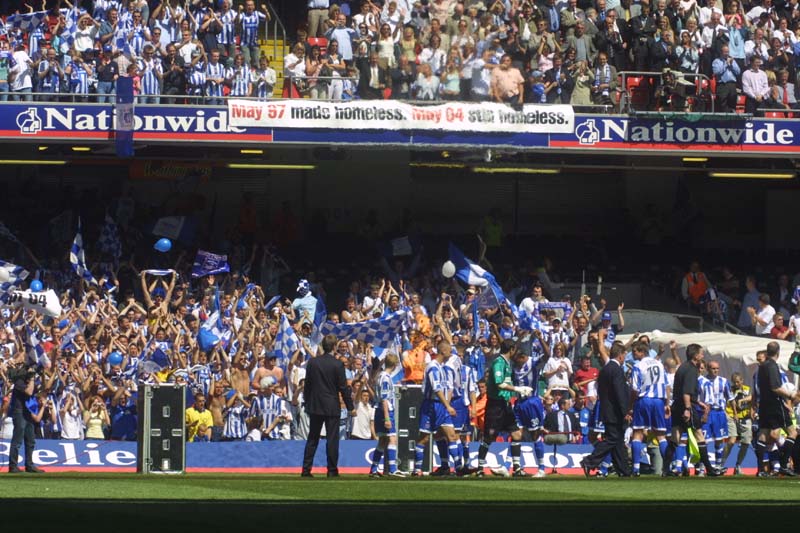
527, 375
649, 379
470, 381
150, 69
235, 422
138, 39
241, 80
705, 393
386, 390
455, 378
78, 79
269, 408
250, 27
214, 71
226, 36
434, 381
721, 390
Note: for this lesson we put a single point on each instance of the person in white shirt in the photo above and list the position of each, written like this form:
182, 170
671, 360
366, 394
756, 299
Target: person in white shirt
763, 318
22, 83
362, 421
558, 371
755, 87
531, 303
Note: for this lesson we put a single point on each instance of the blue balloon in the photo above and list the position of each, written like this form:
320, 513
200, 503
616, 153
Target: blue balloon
163, 245
114, 358
36, 286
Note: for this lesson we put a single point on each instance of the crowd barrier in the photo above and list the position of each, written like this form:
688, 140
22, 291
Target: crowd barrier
270, 456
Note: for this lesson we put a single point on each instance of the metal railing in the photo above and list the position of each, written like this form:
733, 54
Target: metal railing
278, 30
625, 106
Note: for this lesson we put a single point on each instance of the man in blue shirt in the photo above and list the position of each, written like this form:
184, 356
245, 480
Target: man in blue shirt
727, 73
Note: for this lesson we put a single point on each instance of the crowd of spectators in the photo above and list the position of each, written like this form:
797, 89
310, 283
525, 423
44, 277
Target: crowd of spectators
743, 55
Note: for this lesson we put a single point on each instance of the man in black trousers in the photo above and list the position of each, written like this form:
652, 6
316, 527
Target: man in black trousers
325, 381
614, 396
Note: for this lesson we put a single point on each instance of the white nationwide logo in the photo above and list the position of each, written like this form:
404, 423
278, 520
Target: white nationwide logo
29, 122
587, 133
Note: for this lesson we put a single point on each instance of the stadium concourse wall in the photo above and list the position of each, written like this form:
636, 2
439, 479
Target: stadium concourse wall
275, 457
535, 127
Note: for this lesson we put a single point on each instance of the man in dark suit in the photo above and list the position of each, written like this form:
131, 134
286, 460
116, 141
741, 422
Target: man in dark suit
614, 396
372, 79
557, 81
325, 382
561, 426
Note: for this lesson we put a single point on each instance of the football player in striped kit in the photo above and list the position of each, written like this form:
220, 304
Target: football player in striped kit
240, 77
649, 389
717, 419
436, 412
705, 395
529, 411
385, 427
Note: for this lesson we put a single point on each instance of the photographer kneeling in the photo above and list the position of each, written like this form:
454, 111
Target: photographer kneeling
26, 411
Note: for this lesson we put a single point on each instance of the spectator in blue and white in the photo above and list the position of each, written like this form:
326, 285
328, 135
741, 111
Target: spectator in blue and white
101, 8
215, 79
344, 36
78, 72
168, 16
395, 16
35, 37
240, 77
151, 72
235, 416
273, 410
158, 45
250, 20
187, 46
138, 34
109, 28
226, 38
50, 73
196, 74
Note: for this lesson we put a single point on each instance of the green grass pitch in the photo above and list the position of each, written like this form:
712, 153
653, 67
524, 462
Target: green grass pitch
282, 503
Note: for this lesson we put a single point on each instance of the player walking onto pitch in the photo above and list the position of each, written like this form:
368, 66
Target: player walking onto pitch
649, 390
499, 414
436, 412
384, 420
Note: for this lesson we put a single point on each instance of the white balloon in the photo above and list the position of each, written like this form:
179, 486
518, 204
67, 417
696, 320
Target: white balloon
656, 332
3, 275
448, 269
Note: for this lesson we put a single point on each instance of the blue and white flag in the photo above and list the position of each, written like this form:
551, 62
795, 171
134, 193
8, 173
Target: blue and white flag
27, 22
242, 303
206, 263
213, 332
109, 242
123, 112
286, 342
272, 301
159, 272
16, 275
473, 274
66, 340
36, 354
380, 332
77, 258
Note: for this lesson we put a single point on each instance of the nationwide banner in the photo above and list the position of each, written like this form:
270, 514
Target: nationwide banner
395, 115
275, 456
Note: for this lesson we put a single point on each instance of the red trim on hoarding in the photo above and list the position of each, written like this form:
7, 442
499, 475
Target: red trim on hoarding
140, 136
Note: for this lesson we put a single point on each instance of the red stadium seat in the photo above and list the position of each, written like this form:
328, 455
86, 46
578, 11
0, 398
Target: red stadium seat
774, 114
638, 89
322, 42
740, 101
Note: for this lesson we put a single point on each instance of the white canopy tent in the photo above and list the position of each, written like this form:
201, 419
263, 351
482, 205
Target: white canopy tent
735, 353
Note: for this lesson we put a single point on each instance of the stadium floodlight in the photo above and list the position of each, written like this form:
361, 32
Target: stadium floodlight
269, 166
32, 162
754, 176
515, 170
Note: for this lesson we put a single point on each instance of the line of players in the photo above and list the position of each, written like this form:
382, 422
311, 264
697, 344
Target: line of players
703, 404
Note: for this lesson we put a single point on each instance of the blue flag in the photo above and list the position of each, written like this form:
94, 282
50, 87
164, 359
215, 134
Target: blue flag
206, 263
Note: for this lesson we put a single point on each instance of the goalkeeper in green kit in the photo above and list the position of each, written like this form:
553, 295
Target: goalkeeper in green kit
499, 412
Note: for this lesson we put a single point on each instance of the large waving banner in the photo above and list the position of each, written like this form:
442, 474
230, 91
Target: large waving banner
394, 115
